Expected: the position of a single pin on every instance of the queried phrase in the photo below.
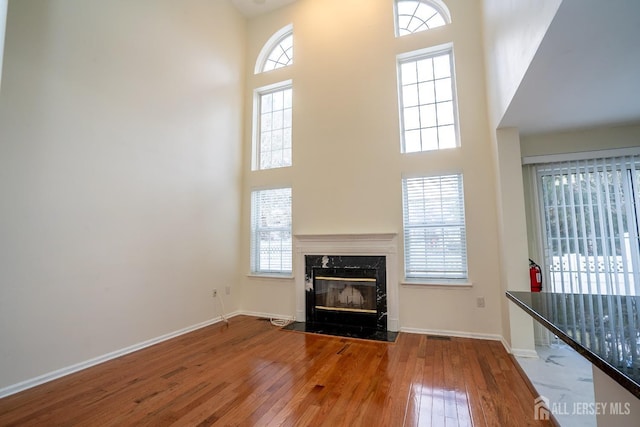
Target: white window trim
(438, 5)
(268, 274)
(273, 41)
(584, 155)
(414, 56)
(437, 282)
(255, 143)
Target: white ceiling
(586, 72)
(251, 8)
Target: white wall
(347, 170)
(513, 30)
(120, 130)
(580, 140)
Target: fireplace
(347, 256)
(346, 291)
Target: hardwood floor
(252, 373)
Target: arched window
(413, 16)
(277, 52)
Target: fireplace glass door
(345, 296)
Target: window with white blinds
(590, 214)
(435, 245)
(271, 241)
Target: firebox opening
(356, 295)
(345, 296)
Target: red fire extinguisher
(535, 276)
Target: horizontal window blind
(271, 241)
(434, 228)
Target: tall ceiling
(586, 72)
(251, 8)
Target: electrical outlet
(214, 293)
(227, 290)
(480, 302)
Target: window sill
(436, 283)
(271, 276)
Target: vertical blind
(271, 242)
(590, 212)
(434, 228)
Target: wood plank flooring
(251, 373)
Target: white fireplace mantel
(370, 244)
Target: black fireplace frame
(328, 263)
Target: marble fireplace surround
(370, 244)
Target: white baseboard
(32, 382)
(459, 334)
(523, 352)
(24, 385)
(267, 315)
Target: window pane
(266, 122)
(434, 228)
(443, 89)
(275, 129)
(409, 73)
(412, 141)
(412, 118)
(441, 66)
(414, 16)
(447, 136)
(429, 139)
(428, 115)
(266, 103)
(410, 95)
(428, 103)
(425, 69)
(427, 93)
(281, 55)
(445, 113)
(271, 242)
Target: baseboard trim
(50, 376)
(459, 334)
(267, 315)
(522, 352)
(27, 384)
(519, 352)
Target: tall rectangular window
(271, 242)
(428, 106)
(272, 145)
(435, 246)
(590, 211)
